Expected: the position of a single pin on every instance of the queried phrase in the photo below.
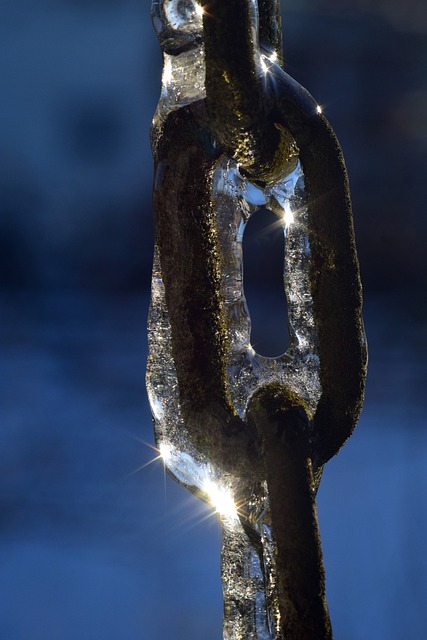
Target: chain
(262, 119)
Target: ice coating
(236, 200)
(248, 552)
(178, 24)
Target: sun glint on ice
(221, 499)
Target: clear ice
(248, 550)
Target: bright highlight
(288, 215)
(221, 499)
(165, 452)
(167, 69)
(263, 65)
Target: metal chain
(261, 120)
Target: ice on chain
(247, 560)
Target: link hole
(263, 252)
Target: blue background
(92, 546)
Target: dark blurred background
(92, 546)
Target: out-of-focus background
(92, 545)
